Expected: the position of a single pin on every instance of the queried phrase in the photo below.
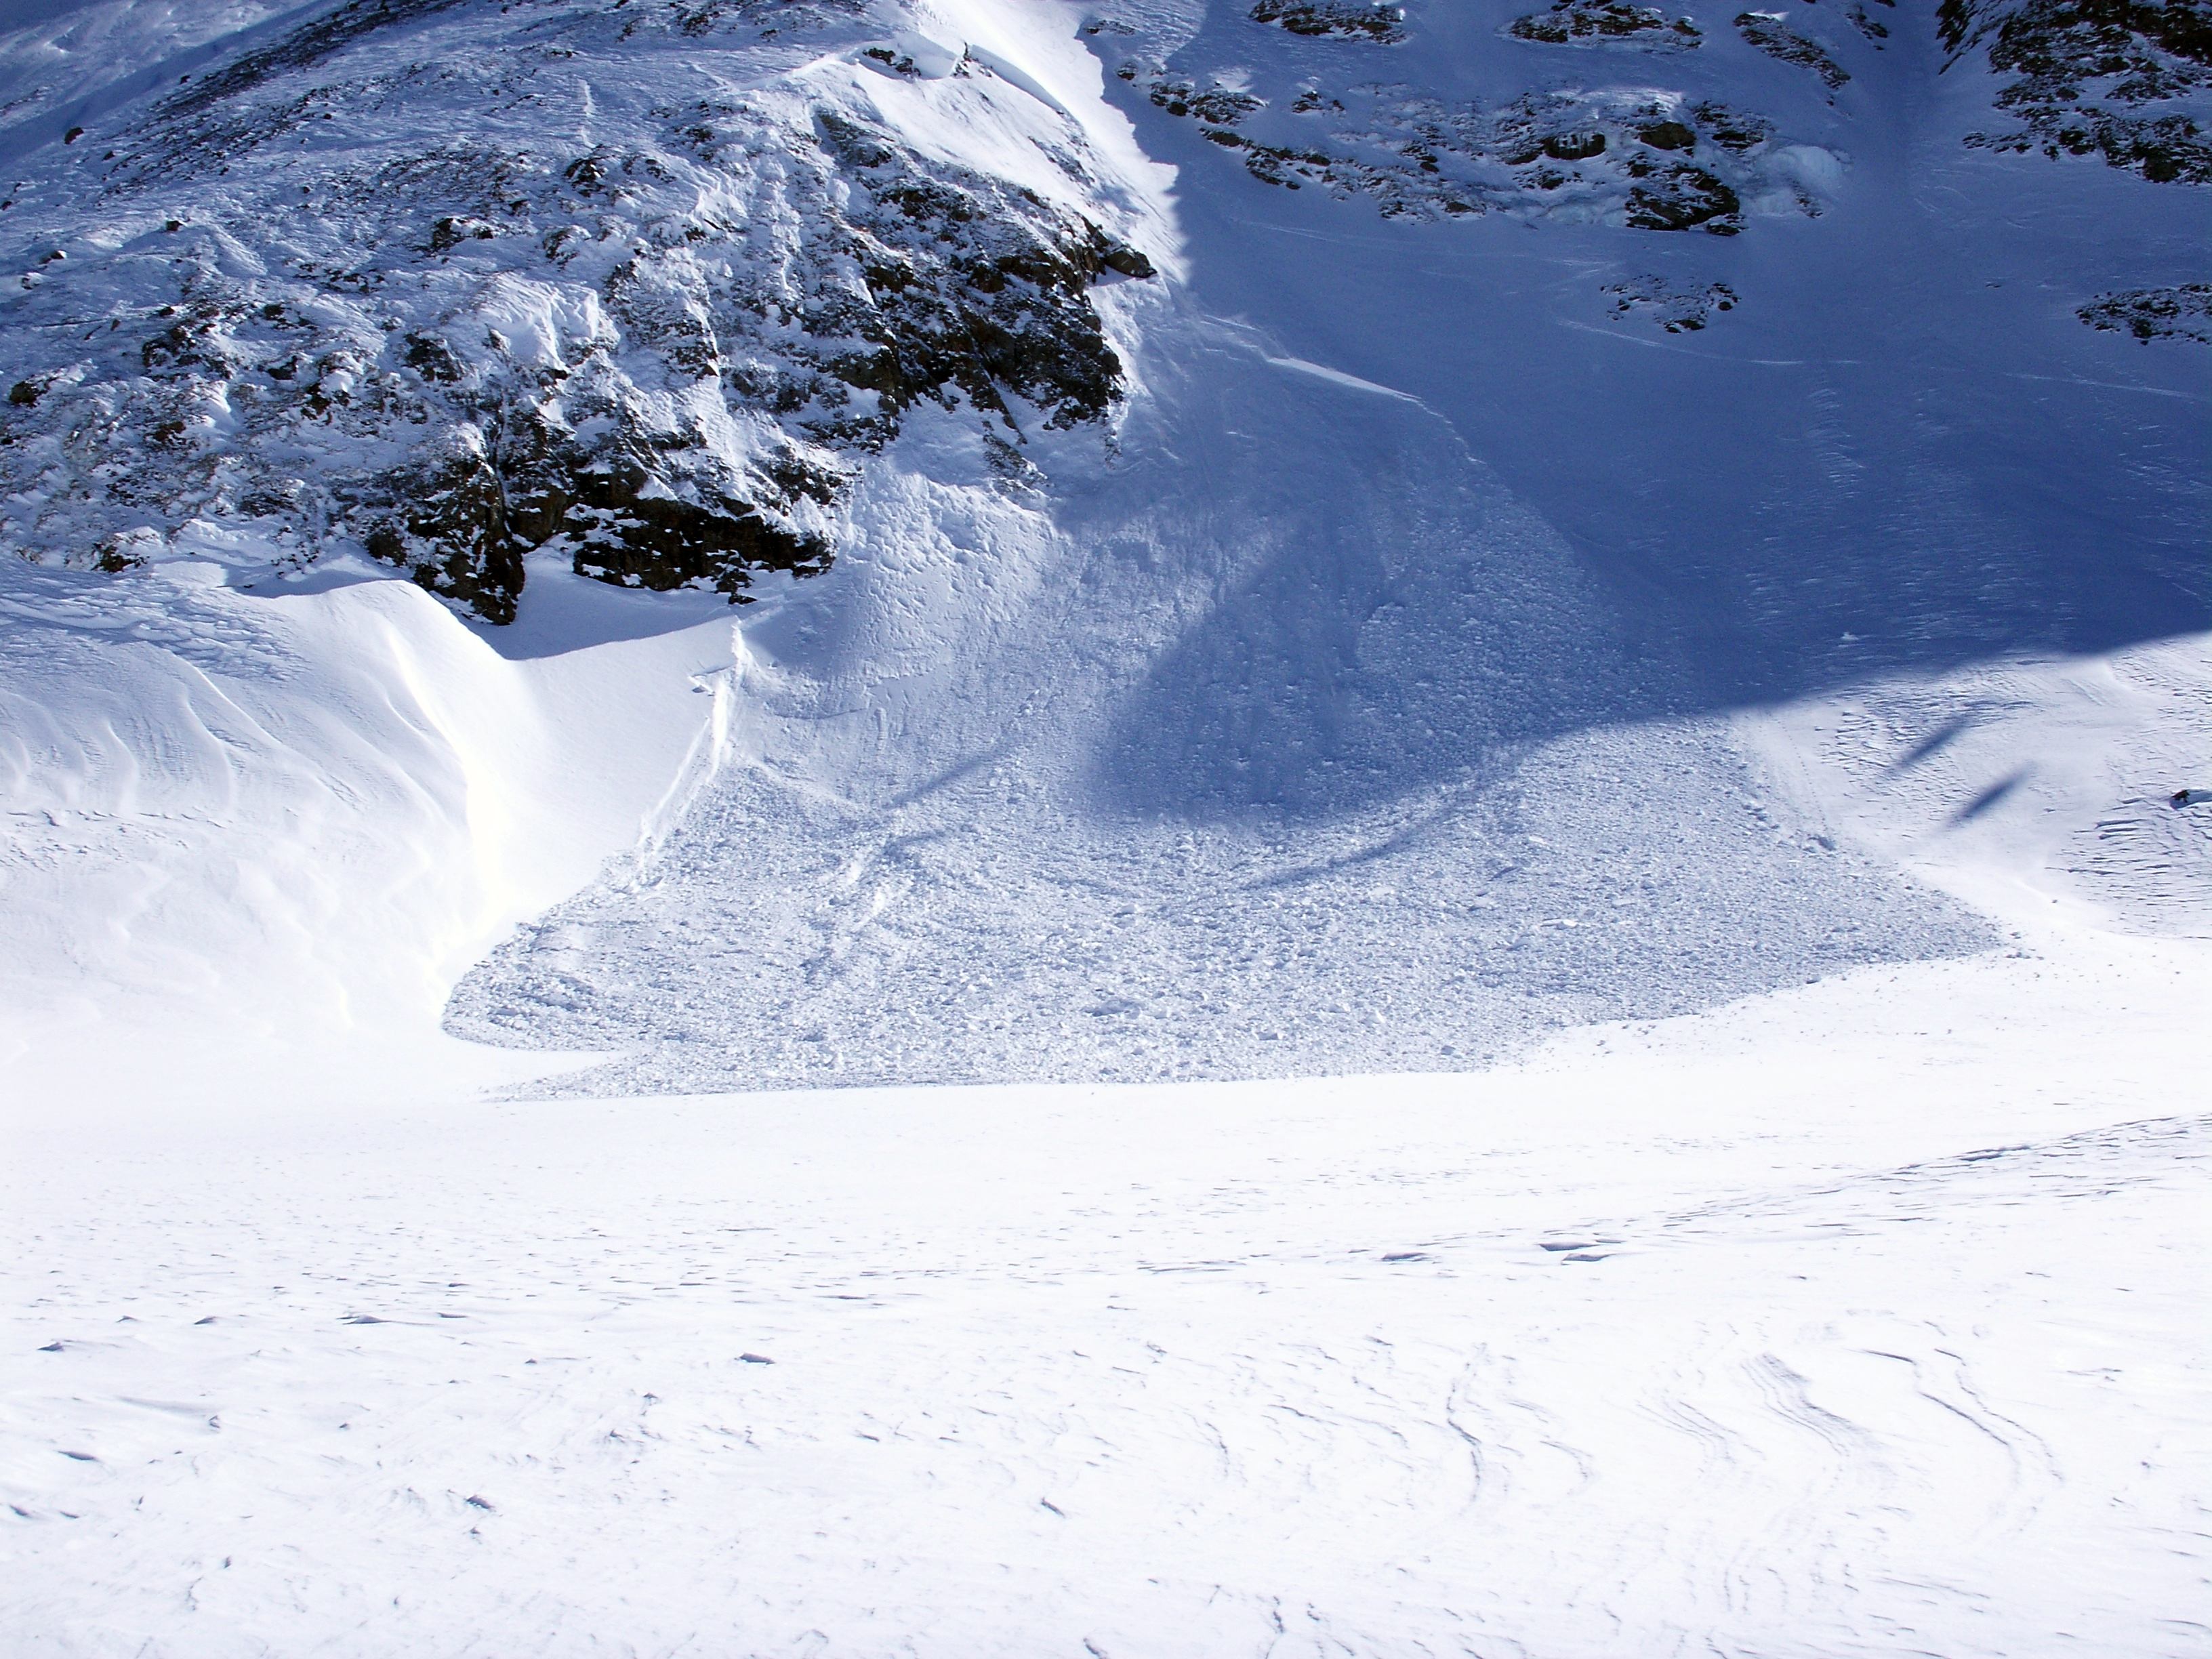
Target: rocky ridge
(1643, 155)
(2181, 313)
(304, 306)
(2124, 80)
(318, 310)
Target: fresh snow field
(1478, 979)
(1865, 1318)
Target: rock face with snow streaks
(449, 283)
(1654, 150)
(2119, 79)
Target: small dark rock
(1683, 197)
(433, 358)
(1340, 17)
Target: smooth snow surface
(1861, 1320)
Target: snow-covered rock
(1661, 585)
(447, 283)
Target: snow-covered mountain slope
(1323, 654)
(1440, 728)
(1645, 562)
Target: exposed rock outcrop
(338, 314)
(2120, 79)
(1777, 40)
(2156, 313)
(1607, 23)
(1631, 157)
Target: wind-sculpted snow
(656, 323)
(2086, 804)
(340, 796)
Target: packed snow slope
(1264, 529)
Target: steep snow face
(446, 282)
